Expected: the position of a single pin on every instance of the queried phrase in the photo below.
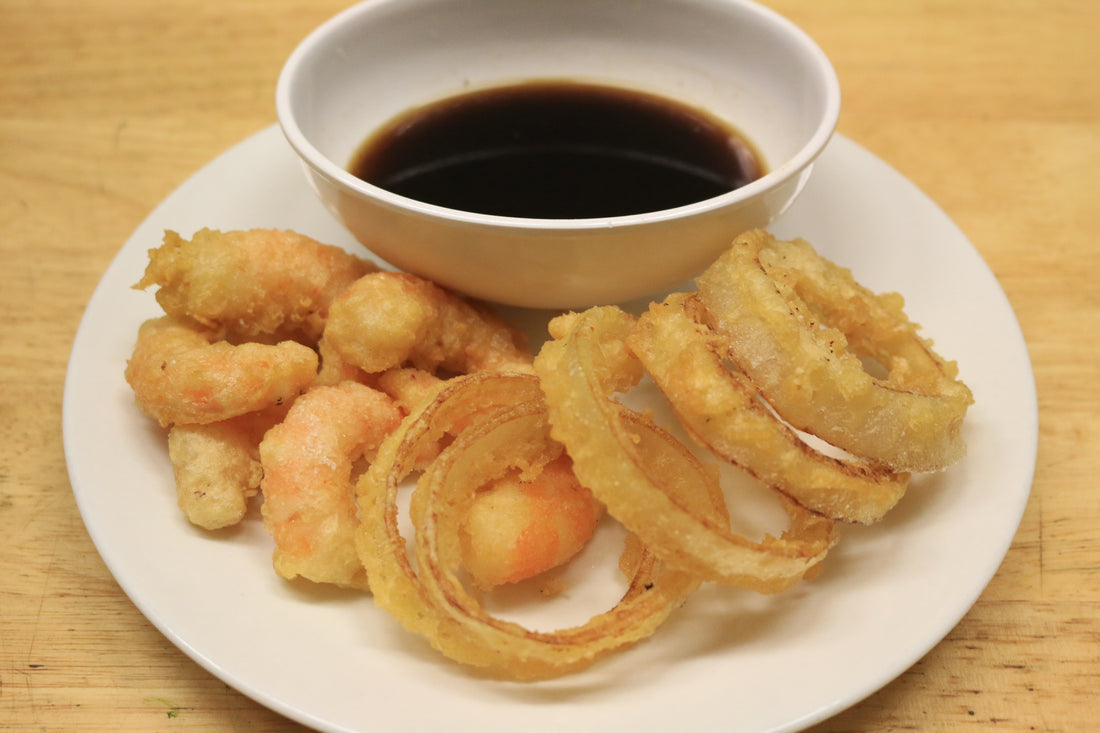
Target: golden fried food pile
(290, 368)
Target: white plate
(728, 660)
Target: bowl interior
(735, 59)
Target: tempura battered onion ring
(655, 495)
(721, 408)
(501, 415)
(790, 316)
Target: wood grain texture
(106, 106)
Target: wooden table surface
(992, 108)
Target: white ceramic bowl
(736, 59)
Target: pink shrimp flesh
(520, 527)
(182, 373)
(308, 462)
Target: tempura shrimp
(520, 526)
(308, 464)
(387, 320)
(336, 369)
(183, 373)
(408, 386)
(217, 466)
(257, 283)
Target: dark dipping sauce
(557, 150)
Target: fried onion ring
(504, 424)
(722, 410)
(645, 483)
(798, 326)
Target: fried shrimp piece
(409, 386)
(336, 369)
(255, 283)
(308, 464)
(183, 373)
(217, 466)
(388, 320)
(520, 526)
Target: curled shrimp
(520, 526)
(256, 283)
(217, 466)
(309, 461)
(387, 320)
(183, 373)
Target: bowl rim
(774, 178)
